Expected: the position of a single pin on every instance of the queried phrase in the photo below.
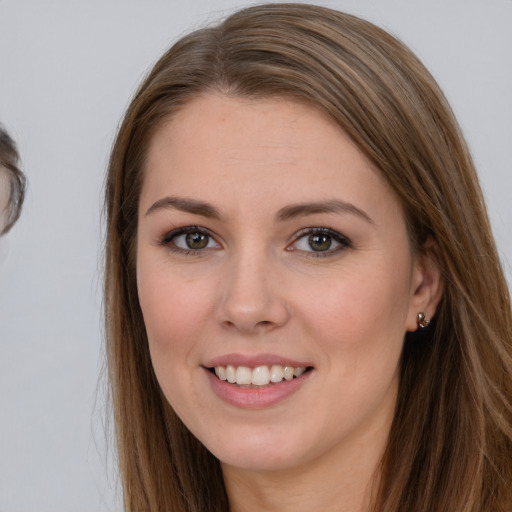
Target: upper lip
(252, 361)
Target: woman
(304, 304)
(12, 179)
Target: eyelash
(168, 240)
(344, 243)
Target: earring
(422, 321)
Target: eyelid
(167, 238)
(342, 240)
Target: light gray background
(67, 71)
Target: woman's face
(268, 246)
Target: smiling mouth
(259, 376)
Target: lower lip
(255, 397)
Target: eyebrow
(330, 206)
(185, 204)
(205, 209)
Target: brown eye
(190, 239)
(320, 243)
(196, 241)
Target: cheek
(170, 318)
(174, 311)
(360, 318)
(361, 331)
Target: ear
(426, 285)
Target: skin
(4, 197)
(260, 287)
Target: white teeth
(243, 375)
(297, 372)
(259, 376)
(230, 374)
(288, 372)
(220, 371)
(276, 373)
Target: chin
(253, 452)
(256, 460)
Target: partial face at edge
(267, 239)
(5, 191)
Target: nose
(252, 299)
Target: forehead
(209, 117)
(234, 129)
(267, 147)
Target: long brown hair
(450, 445)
